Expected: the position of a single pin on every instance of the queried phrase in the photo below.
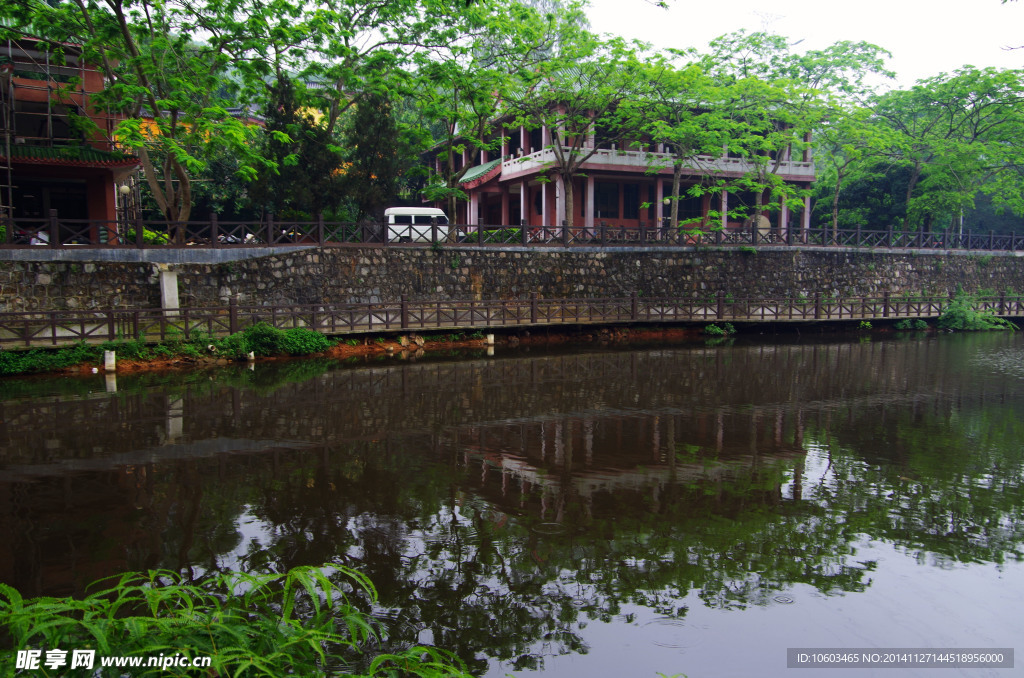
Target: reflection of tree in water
(500, 525)
(939, 481)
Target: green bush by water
(306, 622)
(261, 338)
(961, 316)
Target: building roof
(70, 156)
(480, 172)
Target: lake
(612, 510)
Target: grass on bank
(261, 339)
(306, 622)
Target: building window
(631, 201)
(606, 200)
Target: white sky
(925, 37)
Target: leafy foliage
(305, 622)
(962, 316)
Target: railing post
(603, 229)
(1002, 303)
(271, 238)
(789, 235)
(634, 305)
(1013, 241)
(140, 232)
(54, 229)
(720, 305)
(533, 308)
(405, 312)
(565, 233)
(859, 241)
(524, 234)
(214, 228)
(885, 305)
(233, 314)
(753, 231)
(643, 233)
(320, 228)
(433, 230)
(817, 305)
(888, 235)
(991, 240)
(719, 236)
(111, 326)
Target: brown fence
(56, 328)
(56, 232)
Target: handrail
(59, 328)
(56, 232)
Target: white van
(413, 224)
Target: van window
(425, 219)
(402, 218)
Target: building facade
(619, 185)
(57, 149)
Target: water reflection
(503, 505)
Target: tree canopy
(455, 76)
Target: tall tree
(775, 99)
(170, 90)
(575, 95)
(672, 110)
(464, 92)
(957, 135)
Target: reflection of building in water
(92, 482)
(577, 458)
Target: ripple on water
(549, 528)
(667, 632)
(785, 600)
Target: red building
(620, 185)
(57, 150)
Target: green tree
(673, 111)
(575, 95)
(378, 154)
(303, 181)
(957, 135)
(775, 99)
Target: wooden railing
(57, 328)
(56, 232)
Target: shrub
(248, 625)
(263, 339)
(910, 324)
(303, 341)
(961, 316)
(719, 331)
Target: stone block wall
(367, 275)
(73, 286)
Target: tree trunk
(677, 181)
(569, 207)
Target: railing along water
(60, 328)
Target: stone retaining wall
(360, 275)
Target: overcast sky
(925, 38)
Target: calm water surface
(690, 509)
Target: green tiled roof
(74, 155)
(475, 173)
